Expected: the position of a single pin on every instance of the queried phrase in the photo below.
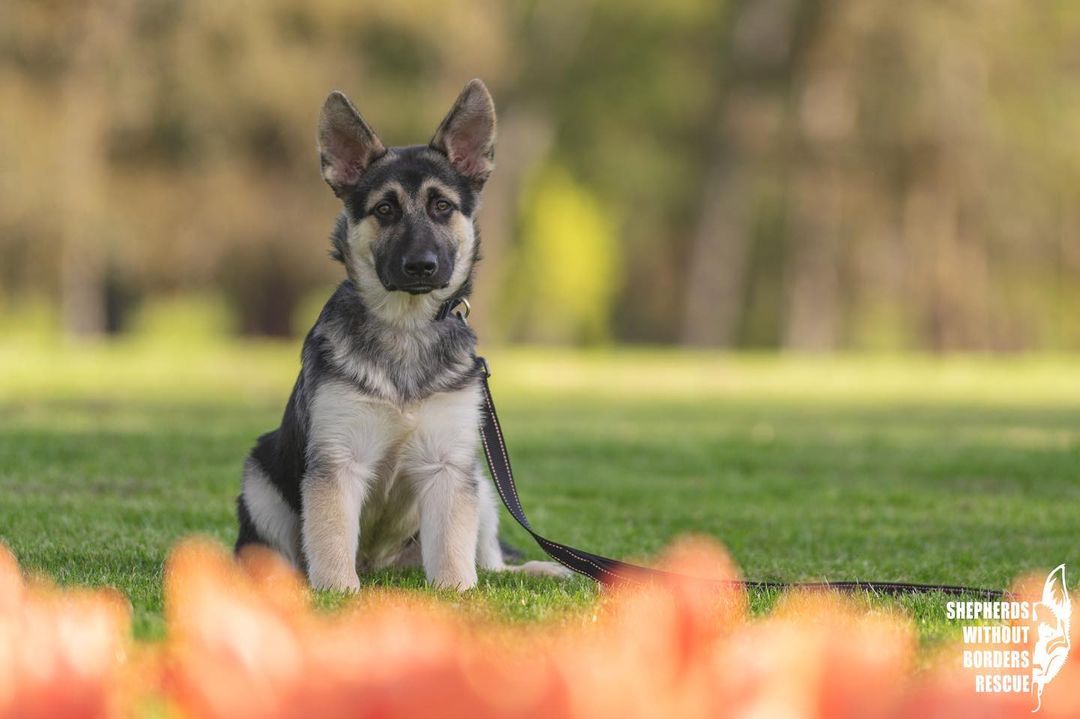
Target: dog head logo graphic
(1052, 641)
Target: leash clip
(447, 308)
(482, 363)
(463, 316)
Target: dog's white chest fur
(388, 458)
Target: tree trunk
(747, 113)
(82, 166)
(716, 274)
(811, 276)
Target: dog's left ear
(467, 134)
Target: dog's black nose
(422, 265)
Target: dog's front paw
(543, 569)
(345, 583)
(459, 582)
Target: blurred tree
(802, 174)
(563, 281)
(100, 35)
(741, 143)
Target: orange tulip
(61, 653)
(244, 641)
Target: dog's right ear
(347, 145)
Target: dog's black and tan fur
(375, 463)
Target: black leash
(613, 571)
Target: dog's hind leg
(490, 553)
(265, 517)
(248, 534)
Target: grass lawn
(962, 471)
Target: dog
(376, 461)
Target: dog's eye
(384, 209)
(442, 206)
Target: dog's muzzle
(417, 272)
(420, 270)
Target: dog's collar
(447, 308)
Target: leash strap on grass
(612, 571)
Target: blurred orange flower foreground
(243, 641)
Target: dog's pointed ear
(467, 134)
(1056, 595)
(347, 145)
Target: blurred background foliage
(801, 174)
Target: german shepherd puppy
(375, 463)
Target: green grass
(963, 471)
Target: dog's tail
(510, 554)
